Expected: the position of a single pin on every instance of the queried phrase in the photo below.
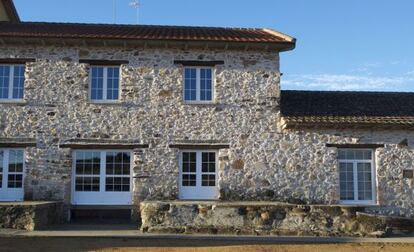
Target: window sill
(357, 204)
(117, 102)
(13, 101)
(199, 103)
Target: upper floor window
(11, 82)
(104, 83)
(198, 84)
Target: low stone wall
(260, 218)
(31, 215)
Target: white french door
(356, 176)
(11, 174)
(198, 175)
(101, 178)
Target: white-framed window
(102, 177)
(198, 84)
(198, 174)
(11, 174)
(356, 176)
(12, 82)
(104, 83)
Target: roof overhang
(189, 44)
(346, 122)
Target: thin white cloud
(403, 82)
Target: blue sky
(341, 45)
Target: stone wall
(31, 215)
(264, 162)
(260, 218)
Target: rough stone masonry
(264, 161)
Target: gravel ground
(34, 244)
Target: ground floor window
(11, 174)
(198, 174)
(102, 177)
(356, 176)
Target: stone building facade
(258, 154)
(263, 160)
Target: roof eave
(125, 42)
(288, 123)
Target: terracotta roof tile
(142, 32)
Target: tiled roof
(307, 108)
(143, 32)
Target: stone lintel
(85, 146)
(17, 142)
(211, 63)
(16, 60)
(356, 146)
(198, 146)
(104, 62)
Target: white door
(11, 174)
(101, 178)
(198, 175)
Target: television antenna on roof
(136, 4)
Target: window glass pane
(346, 180)
(190, 84)
(364, 181)
(1, 167)
(4, 81)
(112, 83)
(18, 82)
(1, 160)
(351, 154)
(15, 161)
(97, 82)
(205, 84)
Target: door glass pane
(15, 161)
(87, 171)
(15, 181)
(118, 171)
(189, 168)
(364, 181)
(15, 176)
(208, 169)
(346, 180)
(1, 167)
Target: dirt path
(119, 244)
